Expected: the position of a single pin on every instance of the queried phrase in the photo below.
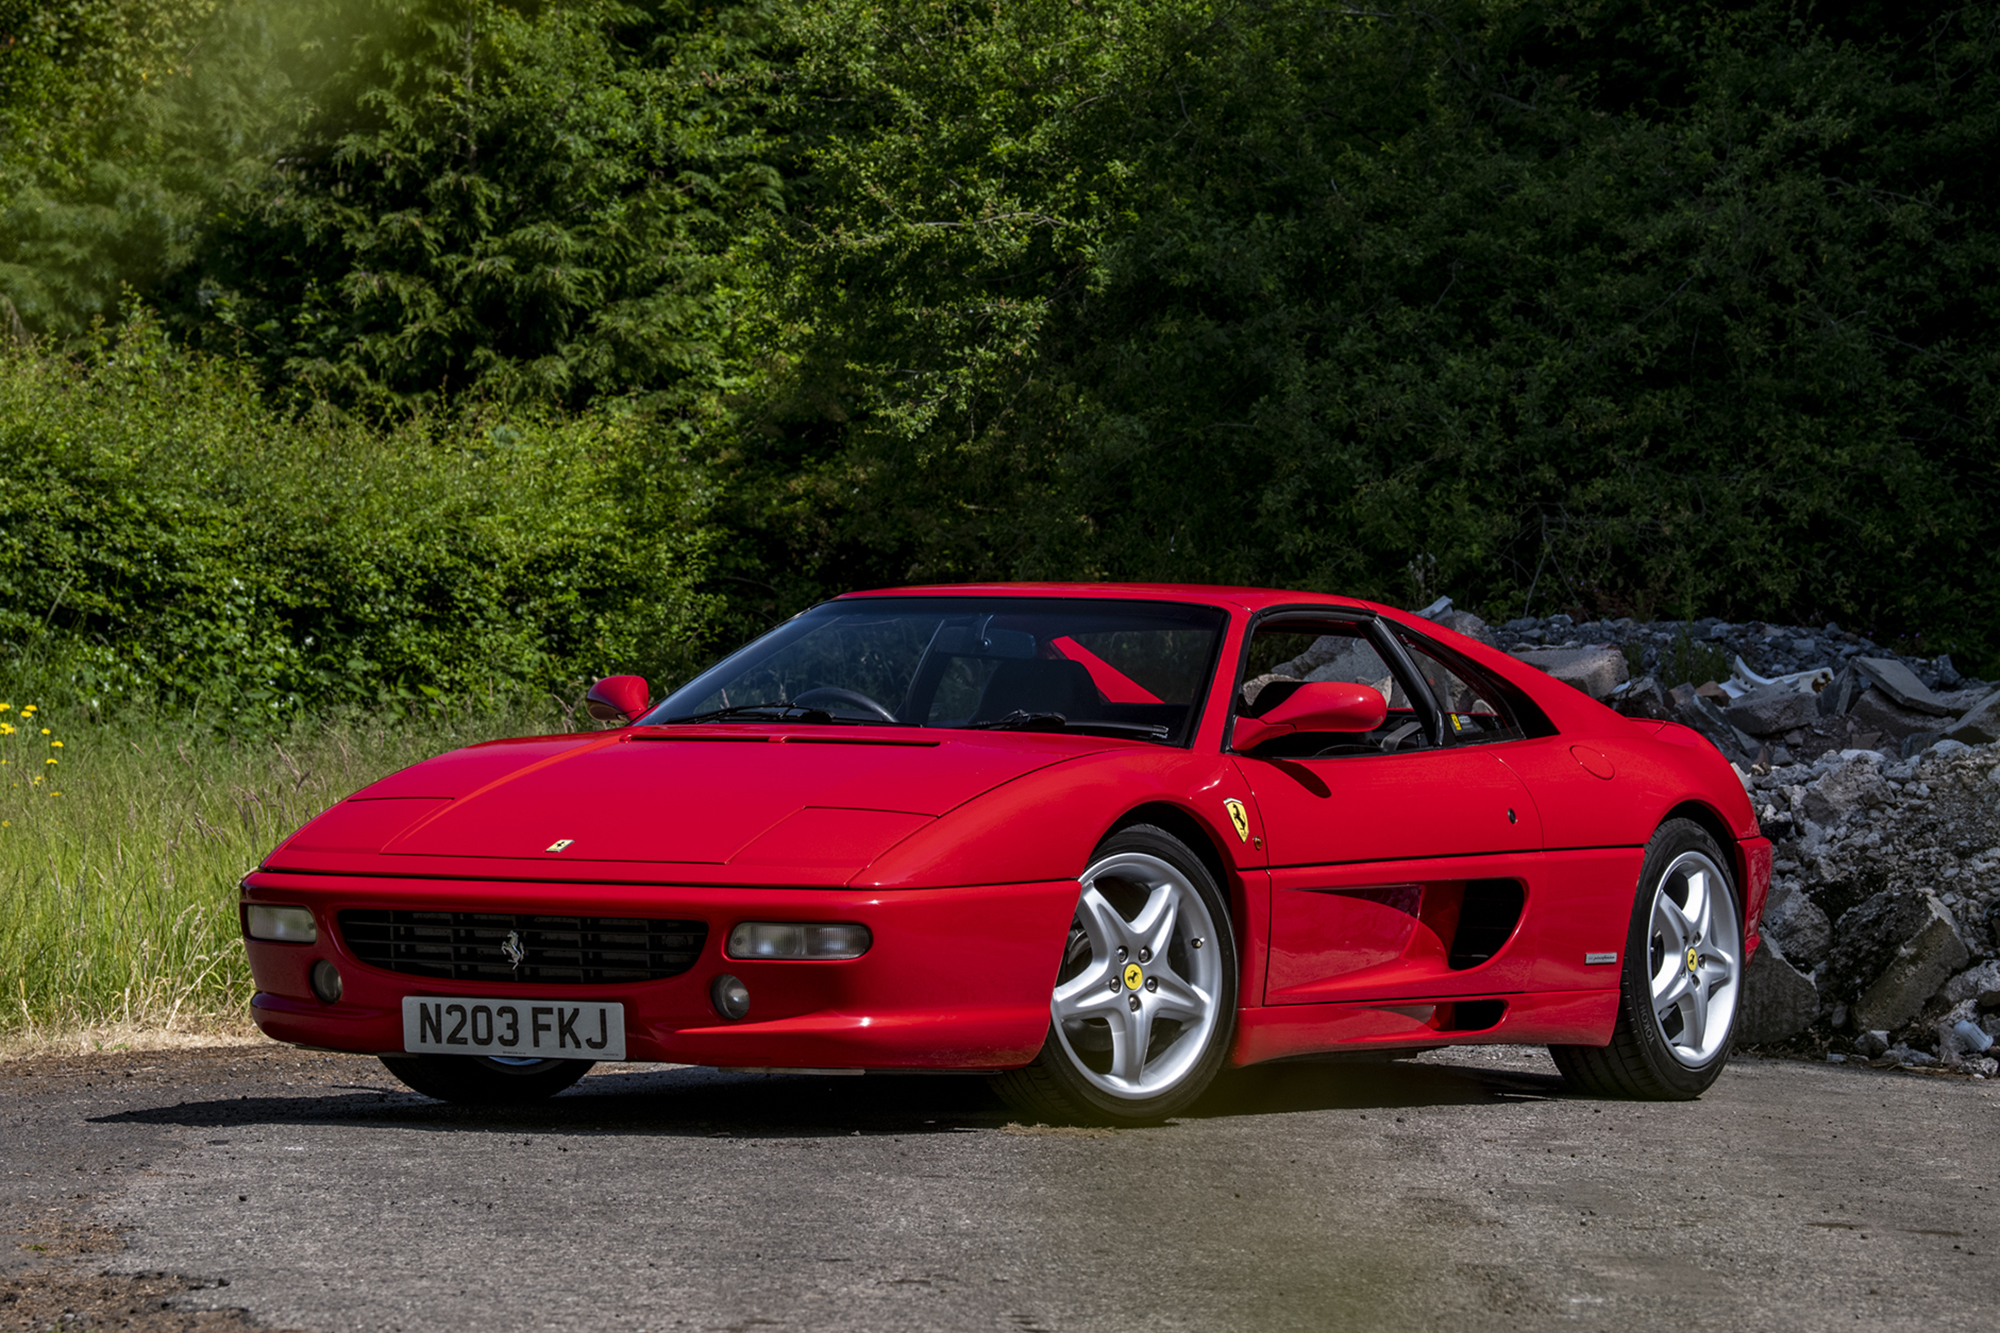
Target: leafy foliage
(167, 538)
(534, 202)
(1610, 305)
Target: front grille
(559, 950)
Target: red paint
(1344, 891)
(618, 696)
(1322, 705)
(1595, 762)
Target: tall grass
(119, 862)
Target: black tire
(1069, 1082)
(477, 1080)
(1643, 1060)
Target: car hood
(830, 800)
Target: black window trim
(1534, 724)
(1379, 636)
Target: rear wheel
(1679, 981)
(1144, 1003)
(484, 1080)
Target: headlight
(292, 925)
(798, 939)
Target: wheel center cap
(1694, 960)
(1135, 976)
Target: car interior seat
(1039, 685)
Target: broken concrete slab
(1595, 671)
(1838, 697)
(1644, 698)
(1697, 711)
(1901, 684)
(1778, 1000)
(1920, 966)
(1471, 626)
(1875, 710)
(1980, 723)
(1800, 925)
(1772, 710)
(1972, 983)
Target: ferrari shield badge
(558, 844)
(1239, 817)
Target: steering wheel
(830, 697)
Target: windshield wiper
(767, 712)
(1021, 720)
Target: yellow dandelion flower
(45, 731)
(48, 761)
(56, 744)
(6, 708)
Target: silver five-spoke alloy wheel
(1695, 961)
(1137, 997)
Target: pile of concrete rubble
(1876, 776)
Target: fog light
(292, 925)
(326, 981)
(798, 939)
(731, 996)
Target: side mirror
(618, 696)
(1320, 705)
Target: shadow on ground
(698, 1102)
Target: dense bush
(1616, 306)
(166, 536)
(1607, 305)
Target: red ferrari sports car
(1098, 841)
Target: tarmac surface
(237, 1187)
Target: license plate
(524, 1029)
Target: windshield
(1112, 668)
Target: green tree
(532, 202)
(1621, 306)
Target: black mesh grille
(559, 950)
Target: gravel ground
(173, 1190)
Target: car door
(1400, 860)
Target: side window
(1475, 712)
(1287, 654)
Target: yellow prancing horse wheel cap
(1694, 960)
(1135, 976)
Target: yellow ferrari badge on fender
(1135, 976)
(559, 844)
(1239, 817)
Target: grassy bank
(119, 861)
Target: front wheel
(1679, 981)
(484, 1080)
(1144, 1003)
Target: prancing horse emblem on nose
(513, 950)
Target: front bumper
(956, 978)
